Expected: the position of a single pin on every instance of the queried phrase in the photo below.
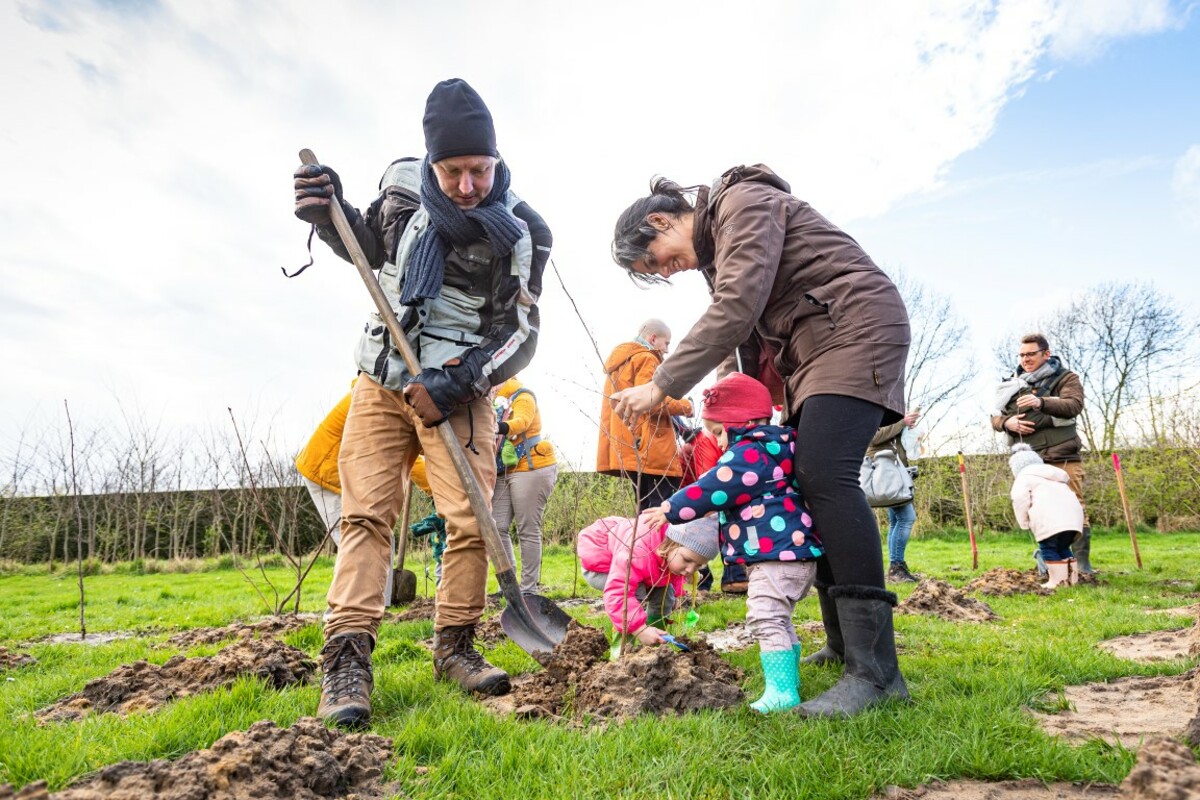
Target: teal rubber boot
(796, 650)
(782, 676)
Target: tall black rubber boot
(1083, 551)
(872, 675)
(834, 650)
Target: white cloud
(1185, 183)
(148, 152)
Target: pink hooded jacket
(603, 546)
(1044, 503)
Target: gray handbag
(885, 481)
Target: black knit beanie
(457, 123)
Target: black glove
(315, 185)
(435, 393)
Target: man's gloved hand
(316, 185)
(435, 393)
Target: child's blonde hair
(667, 547)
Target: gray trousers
(522, 497)
(775, 588)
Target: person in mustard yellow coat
(523, 489)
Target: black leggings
(832, 436)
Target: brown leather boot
(347, 683)
(456, 659)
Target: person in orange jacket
(522, 489)
(649, 455)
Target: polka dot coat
(763, 517)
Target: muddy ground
(579, 682)
(306, 761)
(1165, 770)
(267, 626)
(940, 599)
(1157, 645)
(10, 659)
(1129, 710)
(143, 686)
(1001, 582)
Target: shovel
(537, 629)
(404, 581)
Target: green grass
(971, 684)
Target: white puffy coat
(1044, 503)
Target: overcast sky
(1006, 154)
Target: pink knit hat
(735, 400)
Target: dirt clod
(268, 626)
(579, 681)
(142, 686)
(12, 660)
(1165, 770)
(940, 599)
(1027, 789)
(1002, 582)
(306, 761)
(420, 609)
(1129, 710)
(489, 631)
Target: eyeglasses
(1030, 354)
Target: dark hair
(633, 233)
(1036, 338)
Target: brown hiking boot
(456, 659)
(347, 683)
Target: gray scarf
(1018, 381)
(452, 226)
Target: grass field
(971, 683)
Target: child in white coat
(1044, 503)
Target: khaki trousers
(382, 438)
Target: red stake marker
(1125, 506)
(962, 471)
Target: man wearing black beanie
(460, 259)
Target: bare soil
(306, 761)
(737, 636)
(579, 682)
(1129, 710)
(1186, 611)
(274, 626)
(1028, 789)
(489, 630)
(143, 686)
(420, 609)
(1002, 582)
(1165, 770)
(10, 659)
(104, 637)
(1157, 645)
(940, 599)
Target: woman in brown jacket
(799, 305)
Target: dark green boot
(872, 674)
(1083, 551)
(834, 651)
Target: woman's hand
(631, 403)
(650, 635)
(653, 518)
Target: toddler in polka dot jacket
(764, 523)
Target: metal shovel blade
(542, 630)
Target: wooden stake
(1125, 506)
(962, 471)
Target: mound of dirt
(1129, 710)
(1003, 582)
(1165, 770)
(489, 631)
(267, 626)
(1027, 789)
(421, 608)
(940, 599)
(13, 660)
(306, 761)
(579, 681)
(142, 686)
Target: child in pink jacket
(651, 572)
(1044, 503)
